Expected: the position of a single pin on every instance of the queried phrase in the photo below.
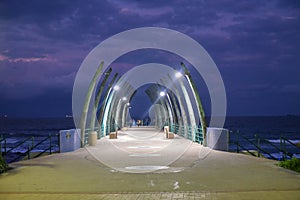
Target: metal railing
(189, 132)
(260, 146)
(102, 133)
(88, 130)
(6, 150)
(193, 133)
(198, 135)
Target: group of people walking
(135, 123)
(138, 123)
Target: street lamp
(178, 74)
(116, 87)
(162, 93)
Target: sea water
(265, 132)
(270, 128)
(34, 130)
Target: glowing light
(162, 94)
(116, 87)
(124, 98)
(178, 74)
(128, 104)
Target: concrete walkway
(142, 164)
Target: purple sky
(255, 45)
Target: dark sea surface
(34, 131)
(268, 132)
(269, 128)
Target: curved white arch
(156, 38)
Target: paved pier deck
(143, 164)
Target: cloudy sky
(255, 45)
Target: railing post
(50, 142)
(229, 134)
(258, 144)
(1, 144)
(32, 142)
(58, 139)
(28, 152)
(281, 143)
(281, 147)
(196, 134)
(5, 146)
(284, 148)
(237, 142)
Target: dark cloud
(292, 4)
(255, 44)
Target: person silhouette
(133, 122)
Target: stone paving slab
(257, 195)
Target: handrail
(43, 152)
(258, 148)
(245, 149)
(25, 140)
(280, 149)
(40, 142)
(267, 141)
(32, 147)
(256, 142)
(290, 142)
(2, 139)
(198, 135)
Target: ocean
(269, 131)
(268, 128)
(31, 131)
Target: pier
(143, 164)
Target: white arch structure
(145, 74)
(155, 38)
